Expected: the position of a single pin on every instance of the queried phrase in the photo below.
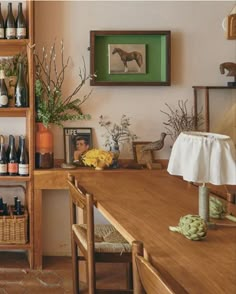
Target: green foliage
(10, 64)
(51, 106)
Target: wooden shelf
(15, 178)
(13, 112)
(213, 87)
(14, 42)
(11, 48)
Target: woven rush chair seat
(107, 238)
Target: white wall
(198, 48)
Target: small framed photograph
(140, 156)
(76, 142)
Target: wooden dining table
(142, 205)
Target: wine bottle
(1, 24)
(12, 161)
(9, 146)
(10, 24)
(5, 209)
(20, 23)
(3, 90)
(19, 147)
(15, 202)
(3, 158)
(1, 203)
(18, 207)
(23, 169)
(21, 95)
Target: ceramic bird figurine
(157, 145)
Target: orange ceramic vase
(44, 147)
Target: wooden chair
(146, 278)
(97, 243)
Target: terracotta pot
(44, 157)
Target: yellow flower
(96, 157)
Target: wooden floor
(56, 277)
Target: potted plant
(117, 134)
(10, 66)
(52, 106)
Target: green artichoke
(218, 209)
(192, 227)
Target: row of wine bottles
(17, 209)
(13, 28)
(21, 91)
(14, 162)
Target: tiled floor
(56, 277)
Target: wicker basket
(14, 228)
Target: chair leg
(75, 267)
(129, 275)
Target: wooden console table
(141, 204)
(207, 106)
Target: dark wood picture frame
(158, 58)
(70, 137)
(144, 157)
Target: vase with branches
(181, 119)
(51, 103)
(52, 107)
(117, 134)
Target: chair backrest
(146, 278)
(79, 197)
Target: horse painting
(129, 56)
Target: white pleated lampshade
(204, 158)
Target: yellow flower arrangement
(98, 158)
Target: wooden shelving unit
(9, 48)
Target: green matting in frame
(157, 57)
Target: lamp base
(203, 203)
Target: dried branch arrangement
(51, 105)
(117, 133)
(180, 120)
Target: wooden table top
(143, 204)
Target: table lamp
(204, 158)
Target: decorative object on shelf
(204, 158)
(157, 145)
(133, 58)
(229, 24)
(143, 158)
(52, 106)
(180, 120)
(98, 158)
(77, 141)
(218, 209)
(193, 227)
(117, 134)
(231, 68)
(44, 156)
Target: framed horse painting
(130, 58)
